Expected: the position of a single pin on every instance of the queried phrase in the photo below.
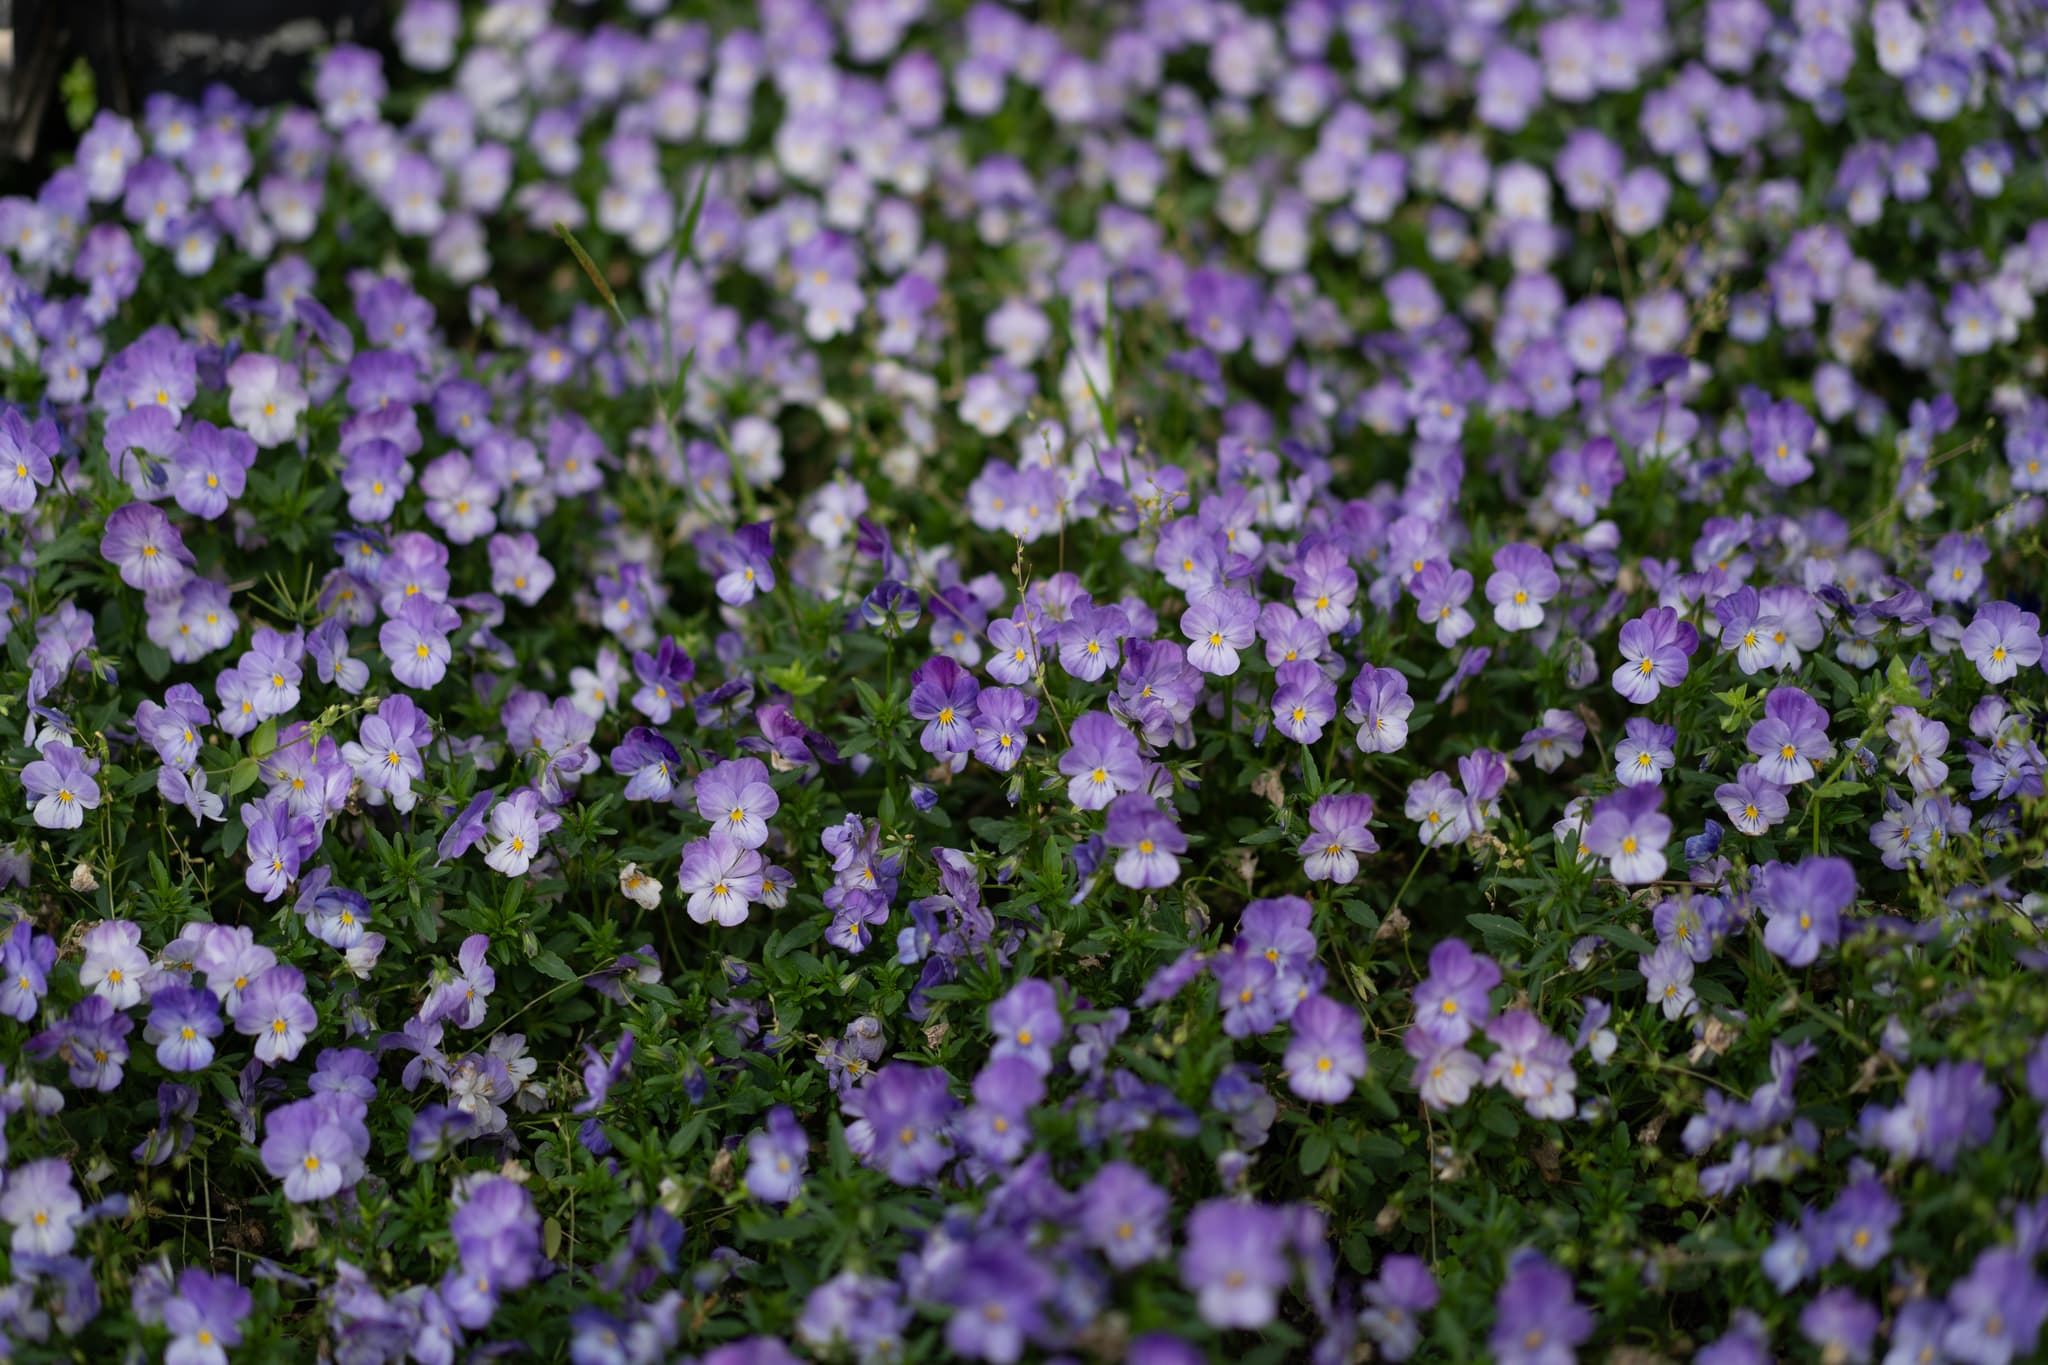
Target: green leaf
(242, 776)
(551, 964)
(1315, 1153)
(1500, 926)
(264, 742)
(1842, 789)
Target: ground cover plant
(904, 681)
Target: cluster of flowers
(760, 483)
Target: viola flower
(1630, 831)
(1781, 436)
(27, 454)
(316, 1147)
(735, 796)
(1562, 735)
(1753, 802)
(1027, 1023)
(1803, 906)
(41, 1207)
(141, 542)
(1219, 623)
(1646, 752)
(265, 398)
(1304, 701)
(26, 958)
(1791, 737)
(1088, 640)
(462, 999)
(1997, 1310)
(204, 1318)
(721, 877)
(415, 640)
(1521, 582)
(60, 786)
(1149, 839)
(1453, 999)
(1326, 1056)
(1537, 1320)
(1235, 1263)
(2001, 640)
(1840, 1325)
(1002, 721)
(776, 1158)
(649, 763)
(518, 824)
(1380, 707)
(745, 565)
(183, 1022)
(1440, 595)
(1918, 746)
(275, 1012)
(1668, 971)
(663, 677)
(1396, 1299)
(908, 1110)
(1439, 809)
(942, 695)
(1101, 762)
(1337, 838)
(1656, 650)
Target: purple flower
(317, 1147)
(415, 640)
(1440, 810)
(942, 695)
(649, 763)
(1453, 999)
(1781, 436)
(1101, 762)
(204, 1318)
(1396, 1299)
(41, 1207)
(1235, 1262)
(1440, 596)
(2001, 640)
(1752, 801)
(1562, 735)
(26, 459)
(1149, 839)
(663, 675)
(1088, 639)
(1996, 1311)
(1803, 906)
(722, 877)
(278, 844)
(141, 542)
(210, 469)
(1791, 737)
(1380, 707)
(25, 962)
(518, 824)
(1521, 582)
(1003, 717)
(1326, 1056)
(1027, 1024)
(1304, 701)
(183, 1022)
(1123, 1215)
(997, 1295)
(461, 999)
(744, 565)
(1944, 1109)
(60, 786)
(734, 795)
(1656, 650)
(1647, 751)
(275, 1012)
(908, 1111)
(1337, 837)
(497, 1234)
(1630, 830)
(1537, 1320)
(1219, 623)
(776, 1157)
